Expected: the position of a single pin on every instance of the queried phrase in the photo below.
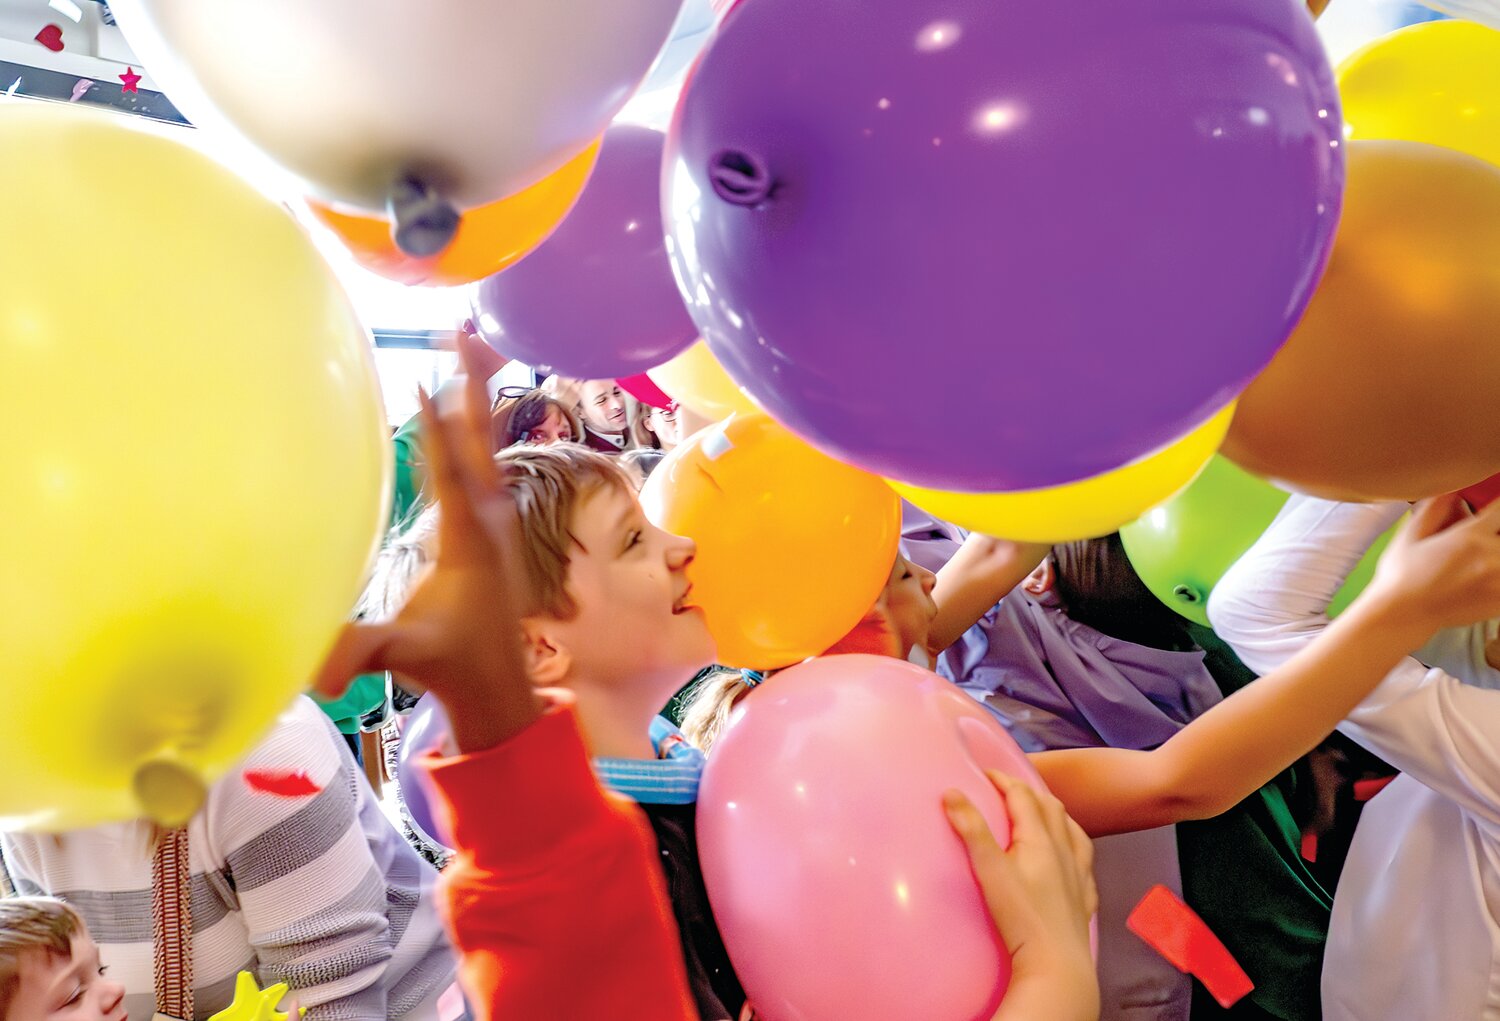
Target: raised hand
(459, 633)
(1443, 566)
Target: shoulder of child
(297, 763)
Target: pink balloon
(644, 389)
(840, 888)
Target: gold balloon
(793, 547)
(1388, 387)
(196, 475)
(1438, 82)
(1084, 509)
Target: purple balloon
(985, 245)
(596, 300)
(426, 730)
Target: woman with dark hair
(525, 415)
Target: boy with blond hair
(49, 966)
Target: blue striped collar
(669, 779)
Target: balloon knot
(740, 178)
(168, 792)
(423, 222)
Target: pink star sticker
(131, 79)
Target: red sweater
(555, 898)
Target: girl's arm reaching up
(1442, 570)
(979, 576)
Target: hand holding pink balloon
(833, 872)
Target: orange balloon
(793, 546)
(1388, 387)
(489, 238)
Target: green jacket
(367, 693)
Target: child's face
(602, 403)
(635, 623)
(909, 605)
(51, 987)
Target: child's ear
(1040, 581)
(547, 660)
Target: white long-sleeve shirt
(318, 892)
(1415, 933)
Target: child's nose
(110, 995)
(681, 552)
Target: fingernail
(956, 806)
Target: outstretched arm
(1434, 716)
(550, 871)
(1437, 572)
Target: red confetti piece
(1310, 847)
(1175, 931)
(131, 80)
(281, 783)
(51, 37)
(1482, 494)
(1364, 790)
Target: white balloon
(1347, 25)
(473, 99)
(1486, 12)
(690, 33)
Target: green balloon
(1182, 548)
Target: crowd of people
(519, 579)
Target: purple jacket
(1056, 683)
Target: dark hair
(514, 417)
(1099, 587)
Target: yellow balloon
(793, 547)
(196, 477)
(695, 378)
(1437, 82)
(1080, 510)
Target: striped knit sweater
(318, 892)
